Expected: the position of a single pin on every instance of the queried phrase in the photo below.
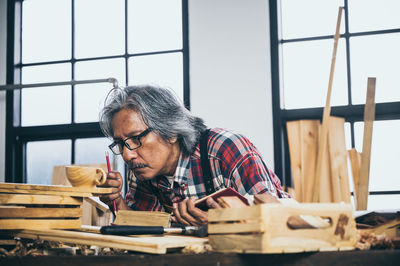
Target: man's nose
(128, 154)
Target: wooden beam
(369, 117)
(8, 198)
(18, 212)
(327, 110)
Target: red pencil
(109, 170)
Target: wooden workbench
(366, 257)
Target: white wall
(3, 34)
(230, 72)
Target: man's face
(155, 157)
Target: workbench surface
(356, 257)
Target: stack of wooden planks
(303, 138)
(26, 206)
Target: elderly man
(172, 159)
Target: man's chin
(141, 175)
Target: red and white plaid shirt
(234, 162)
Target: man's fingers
(212, 204)
(201, 216)
(178, 215)
(182, 208)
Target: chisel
(200, 231)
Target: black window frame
(16, 135)
(351, 112)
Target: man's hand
(114, 180)
(187, 214)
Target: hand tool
(200, 231)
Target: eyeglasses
(132, 143)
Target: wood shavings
(197, 249)
(367, 240)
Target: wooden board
(40, 224)
(127, 217)
(293, 133)
(18, 212)
(8, 198)
(338, 160)
(355, 161)
(369, 117)
(154, 245)
(54, 188)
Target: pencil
(109, 170)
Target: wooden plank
(355, 160)
(55, 188)
(155, 245)
(293, 132)
(95, 201)
(45, 192)
(9, 198)
(40, 224)
(17, 212)
(237, 214)
(325, 182)
(309, 149)
(369, 116)
(338, 160)
(322, 144)
(236, 228)
(127, 217)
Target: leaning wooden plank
(325, 182)
(338, 160)
(55, 188)
(293, 133)
(9, 198)
(40, 223)
(355, 160)
(309, 149)
(369, 116)
(17, 212)
(127, 217)
(322, 144)
(155, 245)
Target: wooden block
(369, 117)
(40, 224)
(230, 202)
(54, 188)
(275, 236)
(127, 217)
(338, 160)
(355, 161)
(8, 198)
(18, 212)
(293, 133)
(154, 245)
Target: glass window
(154, 25)
(299, 18)
(89, 98)
(46, 105)
(42, 156)
(161, 69)
(53, 41)
(375, 56)
(306, 67)
(370, 15)
(385, 154)
(99, 28)
(383, 202)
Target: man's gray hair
(160, 110)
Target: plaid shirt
(234, 162)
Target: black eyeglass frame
(137, 137)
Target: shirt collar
(182, 172)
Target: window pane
(89, 98)
(306, 68)
(162, 69)
(42, 156)
(46, 35)
(102, 34)
(370, 15)
(154, 25)
(46, 105)
(383, 202)
(299, 18)
(375, 56)
(385, 154)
